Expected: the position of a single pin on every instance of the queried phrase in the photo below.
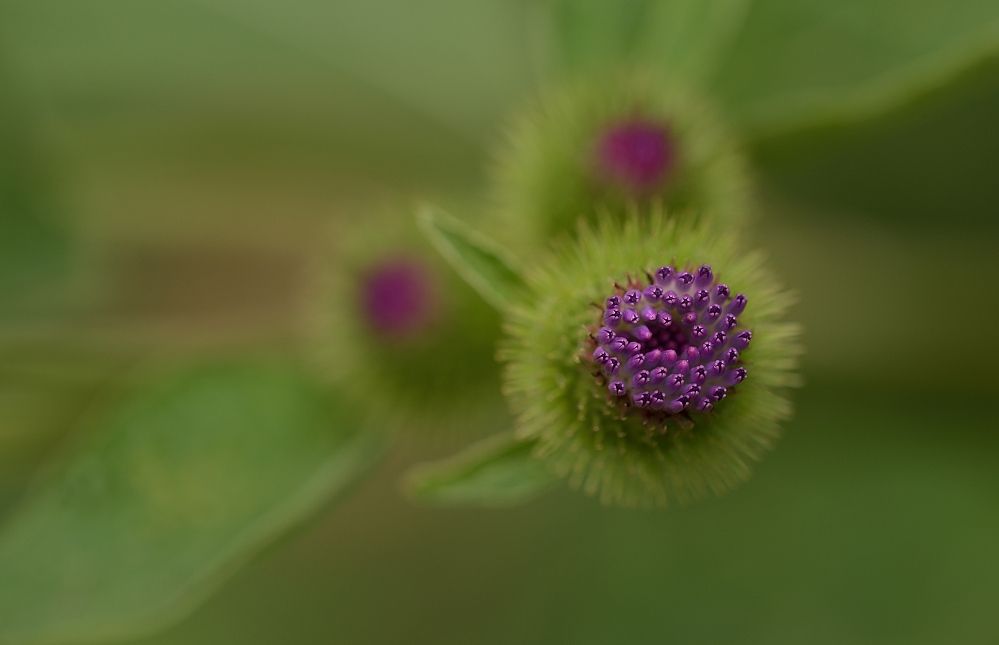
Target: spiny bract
(611, 429)
(618, 141)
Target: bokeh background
(169, 171)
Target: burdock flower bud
(615, 142)
(665, 407)
(393, 326)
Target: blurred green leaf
(682, 38)
(485, 265)
(689, 38)
(168, 491)
(34, 247)
(498, 471)
(805, 64)
(596, 34)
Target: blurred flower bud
(391, 324)
(615, 142)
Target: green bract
(602, 444)
(562, 157)
(435, 369)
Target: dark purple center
(674, 344)
(636, 154)
(399, 297)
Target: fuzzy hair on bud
(615, 141)
(652, 434)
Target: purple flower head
(673, 360)
(399, 297)
(636, 154)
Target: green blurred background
(170, 170)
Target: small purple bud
(630, 316)
(633, 297)
(641, 379)
(668, 359)
(653, 292)
(722, 292)
(719, 338)
(638, 154)
(652, 357)
(738, 304)
(677, 405)
(664, 275)
(690, 318)
(612, 366)
(648, 314)
(618, 345)
(614, 302)
(670, 298)
(658, 400)
(731, 355)
(642, 333)
(633, 348)
(699, 332)
(642, 399)
(400, 298)
(703, 405)
(701, 299)
(684, 279)
(738, 375)
(707, 350)
(617, 388)
(699, 374)
(681, 367)
(600, 356)
(605, 335)
(741, 340)
(686, 303)
(612, 317)
(692, 390)
(692, 354)
(704, 275)
(714, 312)
(658, 375)
(665, 320)
(716, 368)
(729, 322)
(675, 382)
(717, 393)
(635, 362)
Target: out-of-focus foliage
(498, 471)
(201, 146)
(34, 245)
(168, 488)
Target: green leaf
(689, 39)
(498, 471)
(170, 489)
(682, 38)
(595, 34)
(807, 64)
(485, 265)
(34, 247)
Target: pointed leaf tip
(483, 263)
(497, 471)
